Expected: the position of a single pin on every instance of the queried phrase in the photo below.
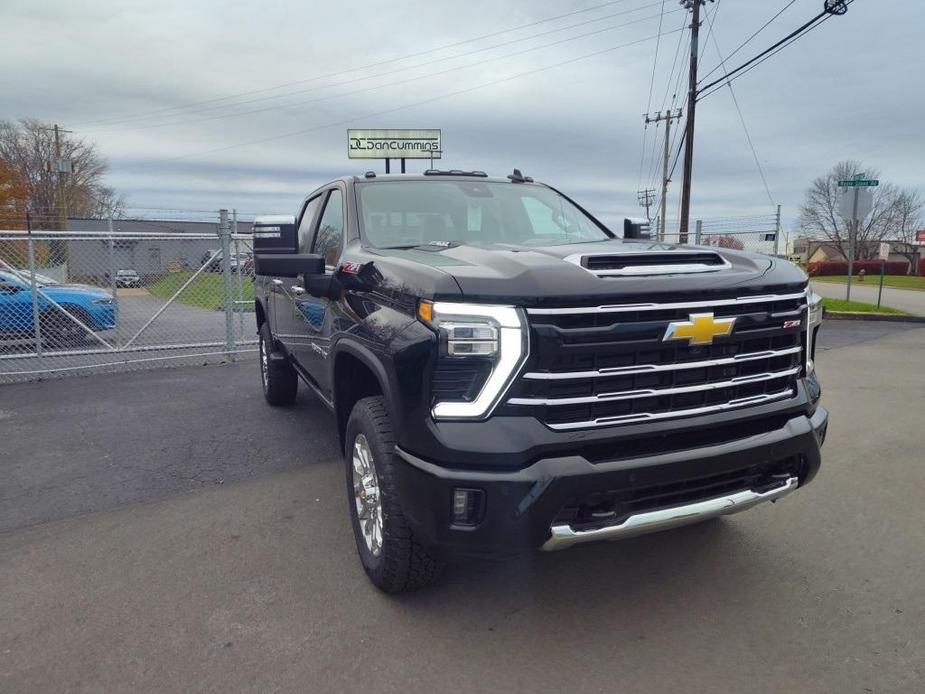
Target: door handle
(297, 290)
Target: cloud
(842, 92)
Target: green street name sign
(854, 182)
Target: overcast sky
(116, 71)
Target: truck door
(283, 290)
(313, 317)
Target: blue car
(91, 306)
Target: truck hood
(532, 275)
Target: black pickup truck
(506, 374)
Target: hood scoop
(659, 263)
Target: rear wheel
(278, 378)
(392, 557)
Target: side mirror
(288, 264)
(636, 228)
(275, 234)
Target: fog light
(467, 506)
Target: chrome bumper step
(564, 536)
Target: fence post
(239, 304)
(112, 282)
(698, 233)
(777, 231)
(224, 231)
(36, 316)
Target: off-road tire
(403, 563)
(279, 380)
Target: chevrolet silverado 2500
(506, 374)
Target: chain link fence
(755, 233)
(110, 295)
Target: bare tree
(907, 219)
(820, 218)
(28, 146)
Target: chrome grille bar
(674, 414)
(631, 308)
(655, 392)
(654, 368)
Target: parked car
(127, 278)
(212, 258)
(213, 262)
(59, 306)
(508, 374)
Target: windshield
(411, 213)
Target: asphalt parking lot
(167, 531)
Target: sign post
(855, 206)
(400, 143)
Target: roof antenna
(518, 177)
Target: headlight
(486, 344)
(813, 321)
(106, 300)
(815, 309)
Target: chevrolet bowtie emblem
(701, 329)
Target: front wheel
(392, 557)
(279, 380)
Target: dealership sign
(393, 144)
(920, 237)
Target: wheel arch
(356, 373)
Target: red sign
(920, 236)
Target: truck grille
(610, 365)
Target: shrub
(870, 267)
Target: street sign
(859, 183)
(393, 144)
(884, 251)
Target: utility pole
(646, 198)
(668, 116)
(693, 5)
(62, 167)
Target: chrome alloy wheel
(264, 363)
(366, 495)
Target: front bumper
(521, 507)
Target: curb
(875, 317)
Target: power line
(706, 13)
(395, 109)
(720, 83)
(790, 38)
(658, 42)
(749, 39)
(653, 166)
(645, 130)
(338, 73)
(674, 63)
(735, 100)
(408, 80)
